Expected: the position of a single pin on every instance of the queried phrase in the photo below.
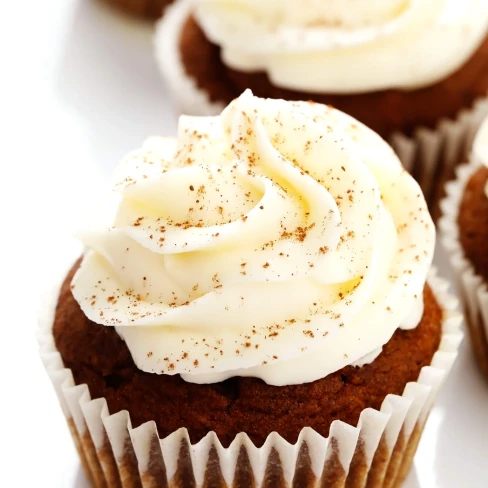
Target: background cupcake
(396, 66)
(465, 227)
(261, 293)
(149, 9)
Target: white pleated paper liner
(430, 155)
(376, 453)
(473, 290)
(186, 94)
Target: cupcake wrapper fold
(186, 94)
(376, 453)
(473, 290)
(430, 155)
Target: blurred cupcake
(465, 229)
(400, 67)
(149, 9)
(257, 308)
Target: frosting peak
(346, 46)
(279, 240)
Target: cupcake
(464, 227)
(400, 67)
(149, 9)
(257, 309)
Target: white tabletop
(79, 89)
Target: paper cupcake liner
(473, 290)
(186, 94)
(376, 453)
(430, 155)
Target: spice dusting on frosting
(274, 241)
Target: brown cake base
(149, 9)
(98, 357)
(473, 236)
(385, 111)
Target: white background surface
(79, 89)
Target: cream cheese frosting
(346, 46)
(280, 240)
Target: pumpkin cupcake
(465, 228)
(414, 72)
(257, 312)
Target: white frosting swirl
(480, 147)
(346, 46)
(279, 240)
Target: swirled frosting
(278, 240)
(346, 46)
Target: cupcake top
(346, 46)
(280, 240)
